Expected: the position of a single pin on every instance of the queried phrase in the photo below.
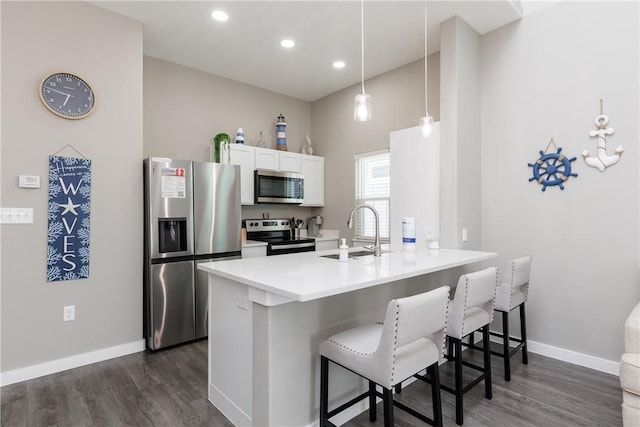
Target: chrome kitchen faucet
(376, 246)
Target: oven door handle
(292, 246)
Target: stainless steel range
(277, 233)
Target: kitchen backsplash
(279, 211)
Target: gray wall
(397, 99)
(185, 108)
(539, 78)
(543, 77)
(460, 135)
(39, 38)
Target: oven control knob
(282, 223)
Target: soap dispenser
(344, 250)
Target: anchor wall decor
(602, 160)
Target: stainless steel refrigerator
(192, 215)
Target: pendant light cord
(426, 109)
(362, 43)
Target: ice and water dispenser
(172, 235)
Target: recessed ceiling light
(287, 43)
(219, 15)
(339, 64)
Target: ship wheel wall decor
(552, 168)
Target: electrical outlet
(69, 313)
(242, 302)
(465, 236)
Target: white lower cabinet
(254, 251)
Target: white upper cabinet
(290, 162)
(244, 156)
(252, 158)
(267, 159)
(312, 168)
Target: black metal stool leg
(458, 380)
(324, 390)
(372, 401)
(523, 329)
(505, 345)
(487, 362)
(387, 399)
(434, 374)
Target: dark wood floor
(169, 388)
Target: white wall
(543, 77)
(39, 38)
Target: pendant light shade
(426, 125)
(362, 102)
(426, 121)
(362, 107)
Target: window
(373, 187)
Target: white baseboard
(571, 356)
(59, 365)
(229, 409)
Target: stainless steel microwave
(278, 187)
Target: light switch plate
(16, 215)
(28, 181)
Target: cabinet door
(244, 156)
(254, 251)
(267, 159)
(312, 168)
(290, 162)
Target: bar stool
(411, 337)
(513, 292)
(471, 310)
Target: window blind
(373, 187)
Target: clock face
(67, 95)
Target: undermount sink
(354, 254)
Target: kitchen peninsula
(268, 315)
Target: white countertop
(307, 276)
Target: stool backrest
(515, 278)
(473, 303)
(408, 322)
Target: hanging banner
(69, 215)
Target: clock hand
(65, 101)
(55, 90)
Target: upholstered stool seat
(410, 339)
(630, 370)
(513, 292)
(471, 310)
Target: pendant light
(426, 121)
(362, 104)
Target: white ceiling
(247, 48)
